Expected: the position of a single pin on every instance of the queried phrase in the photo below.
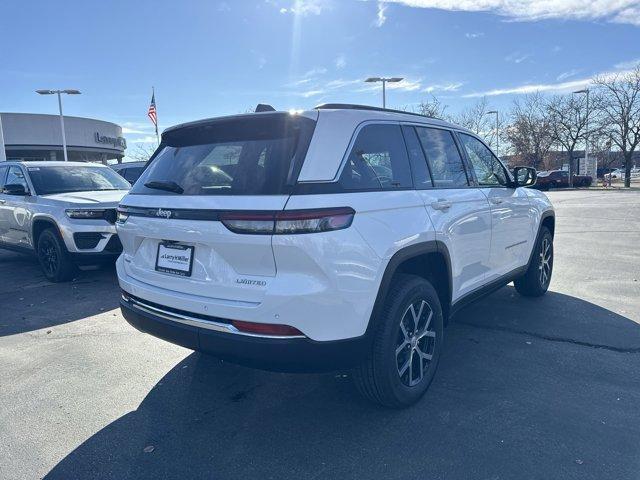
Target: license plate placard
(174, 258)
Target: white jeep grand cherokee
(345, 236)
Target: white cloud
(307, 7)
(341, 61)
(314, 72)
(128, 130)
(146, 139)
(406, 85)
(568, 74)
(627, 65)
(340, 83)
(517, 57)
(311, 93)
(474, 34)
(381, 17)
(447, 87)
(560, 87)
(617, 11)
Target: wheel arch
(547, 219)
(429, 260)
(40, 224)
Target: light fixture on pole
(586, 140)
(384, 81)
(58, 92)
(491, 112)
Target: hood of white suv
(106, 196)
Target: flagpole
(153, 93)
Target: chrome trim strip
(198, 322)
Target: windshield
(248, 155)
(64, 179)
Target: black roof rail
(353, 106)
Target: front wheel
(53, 257)
(407, 345)
(535, 282)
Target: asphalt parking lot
(527, 388)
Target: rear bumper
(266, 353)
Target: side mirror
(15, 189)
(524, 176)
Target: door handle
(496, 200)
(441, 204)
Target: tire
(387, 376)
(53, 257)
(535, 282)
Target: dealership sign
(115, 141)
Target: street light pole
(384, 81)
(64, 137)
(586, 141)
(59, 92)
(497, 131)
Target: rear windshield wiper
(165, 185)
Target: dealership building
(30, 136)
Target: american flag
(152, 110)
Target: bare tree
(619, 112)
(142, 152)
(568, 124)
(529, 134)
(431, 107)
(476, 119)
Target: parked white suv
(64, 212)
(345, 236)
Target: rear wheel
(535, 282)
(53, 257)
(407, 345)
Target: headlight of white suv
(82, 213)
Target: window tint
(132, 173)
(246, 155)
(16, 176)
(488, 169)
(48, 180)
(445, 162)
(3, 173)
(421, 176)
(378, 160)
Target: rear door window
(245, 155)
(378, 160)
(445, 162)
(421, 176)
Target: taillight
(249, 222)
(287, 222)
(267, 329)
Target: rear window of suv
(246, 155)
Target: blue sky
(209, 58)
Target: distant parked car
(130, 171)
(619, 174)
(560, 179)
(63, 212)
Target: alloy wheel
(416, 342)
(48, 256)
(545, 262)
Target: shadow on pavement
(28, 301)
(503, 405)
